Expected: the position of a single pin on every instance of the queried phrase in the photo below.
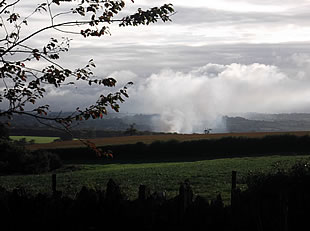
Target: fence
(109, 209)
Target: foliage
(282, 178)
(24, 85)
(4, 131)
(15, 158)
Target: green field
(207, 177)
(37, 139)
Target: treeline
(206, 148)
(80, 133)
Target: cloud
(213, 59)
(204, 15)
(189, 102)
(196, 23)
(199, 29)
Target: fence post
(113, 194)
(54, 183)
(185, 195)
(144, 192)
(233, 187)
(234, 180)
(284, 204)
(234, 197)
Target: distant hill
(115, 124)
(110, 122)
(278, 117)
(255, 122)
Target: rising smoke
(190, 102)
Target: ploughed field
(147, 139)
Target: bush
(36, 163)
(12, 156)
(4, 131)
(281, 178)
(54, 161)
(17, 159)
(279, 199)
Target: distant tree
(65, 137)
(131, 130)
(23, 85)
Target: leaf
(56, 1)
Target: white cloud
(203, 22)
(216, 57)
(190, 101)
(237, 6)
(187, 102)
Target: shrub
(36, 163)
(17, 159)
(12, 156)
(54, 161)
(4, 131)
(281, 178)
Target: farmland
(207, 177)
(163, 165)
(36, 139)
(147, 139)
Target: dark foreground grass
(207, 177)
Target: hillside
(147, 139)
(115, 124)
(268, 123)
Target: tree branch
(7, 6)
(29, 114)
(72, 23)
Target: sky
(215, 58)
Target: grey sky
(214, 58)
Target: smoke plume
(196, 100)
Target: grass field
(37, 139)
(147, 139)
(207, 177)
